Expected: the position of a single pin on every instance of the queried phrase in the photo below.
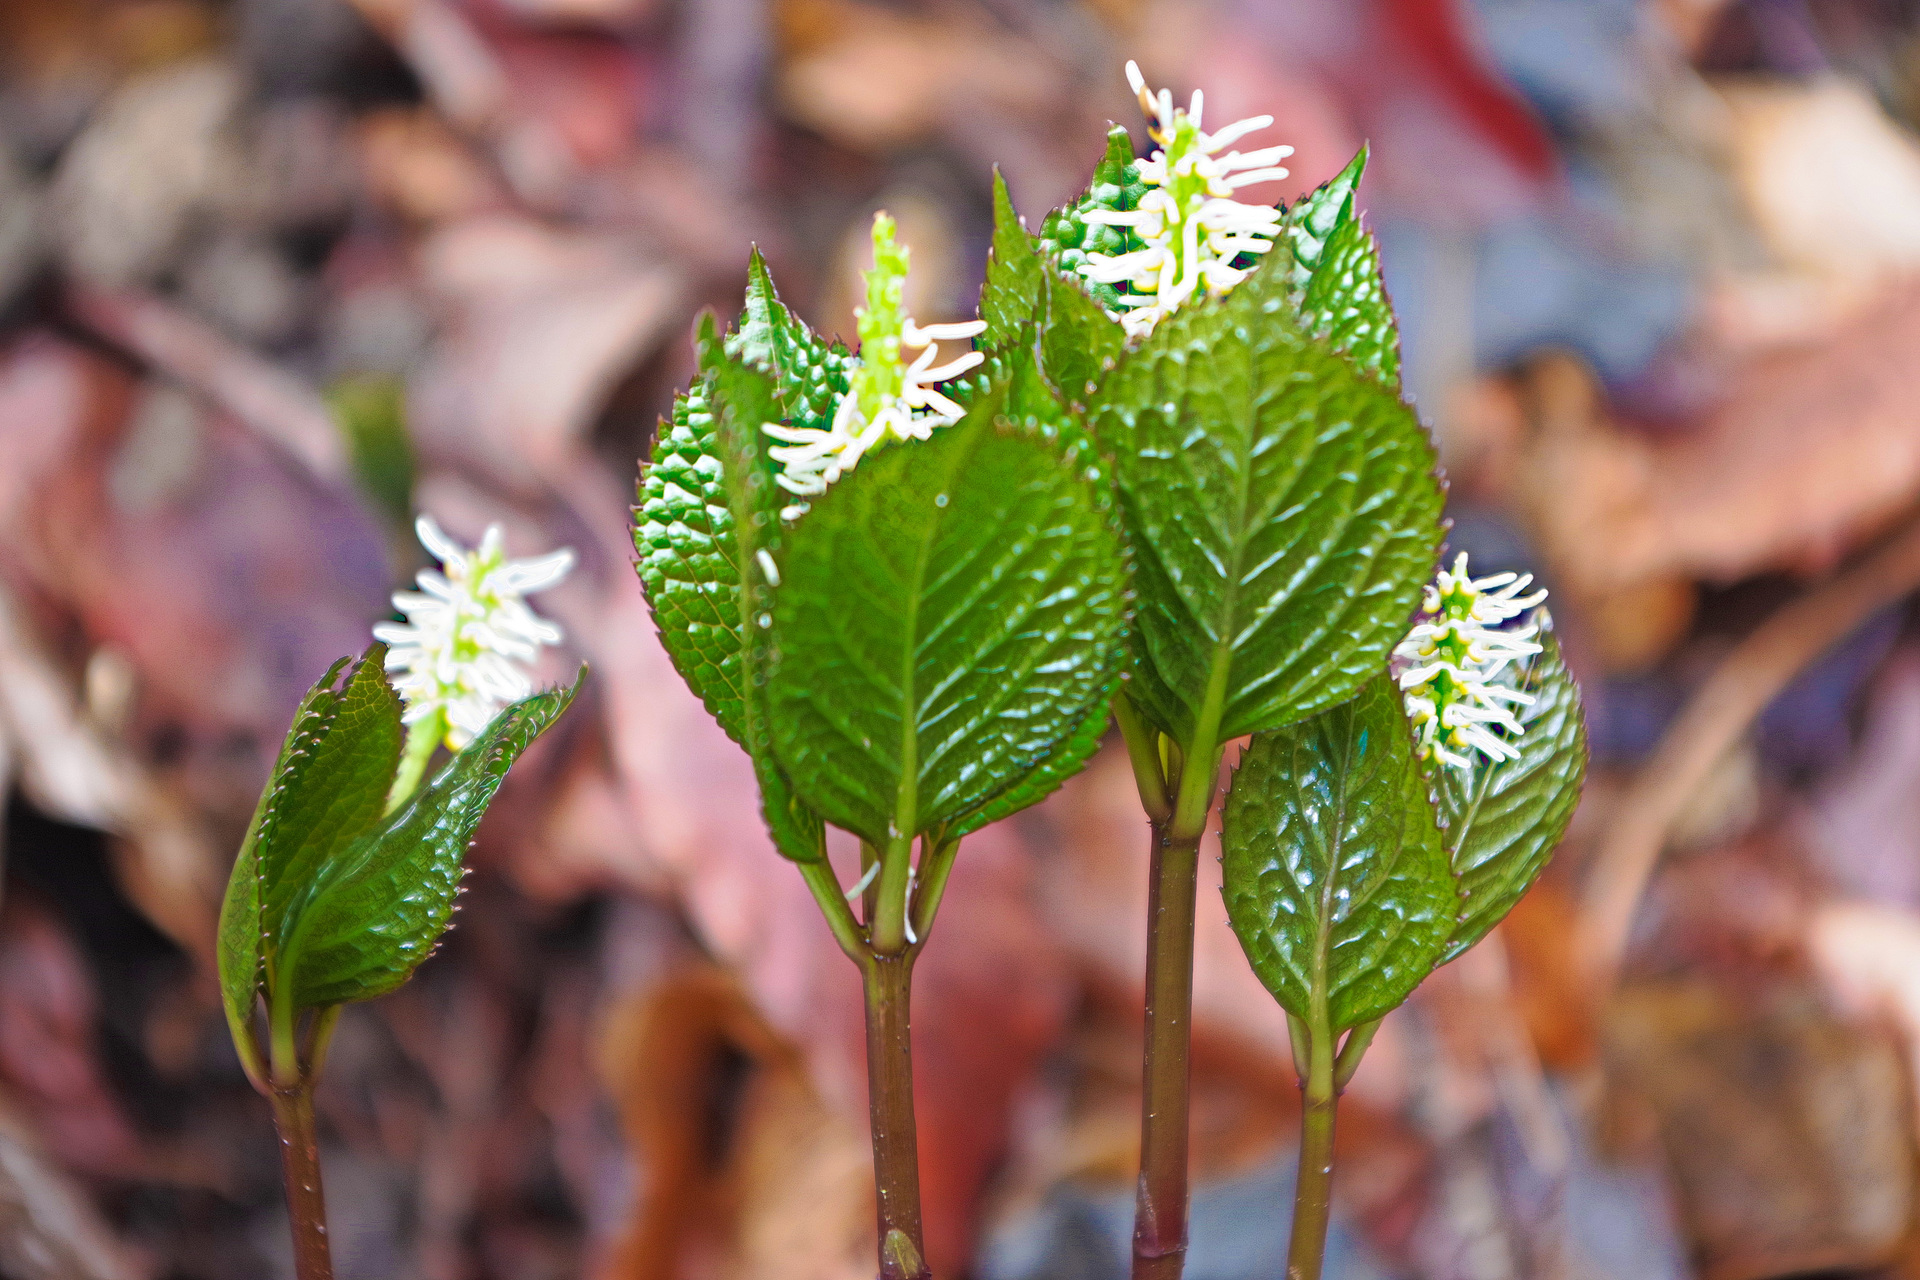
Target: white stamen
(1210, 233)
(467, 628)
(1457, 653)
(860, 885)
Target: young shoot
(461, 654)
(1194, 229)
(888, 398)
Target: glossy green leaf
(685, 555)
(1014, 372)
(950, 617)
(1066, 237)
(1011, 294)
(706, 524)
(1281, 510)
(340, 794)
(1036, 278)
(1031, 405)
(810, 373)
(744, 400)
(366, 921)
(1079, 342)
(1503, 821)
(1068, 759)
(1339, 291)
(1336, 880)
(241, 944)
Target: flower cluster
(1192, 226)
(887, 398)
(1457, 655)
(457, 656)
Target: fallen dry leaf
(48, 1024)
(1809, 453)
(1790, 1134)
(874, 78)
(49, 1229)
(542, 326)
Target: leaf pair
(925, 648)
(332, 898)
(1279, 498)
(1351, 873)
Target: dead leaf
(1790, 1134)
(874, 78)
(543, 325)
(49, 1229)
(1809, 453)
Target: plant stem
(422, 737)
(896, 1156)
(1160, 1203)
(1313, 1192)
(300, 1162)
(1143, 750)
(1160, 1209)
(887, 927)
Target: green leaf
(340, 794)
(1336, 880)
(1314, 217)
(241, 944)
(1503, 821)
(688, 537)
(1079, 342)
(708, 511)
(1069, 758)
(367, 920)
(1012, 291)
(1014, 371)
(951, 615)
(1281, 509)
(371, 411)
(1066, 237)
(745, 400)
(1032, 406)
(1339, 291)
(811, 374)
(1031, 277)
(685, 555)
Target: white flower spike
(1192, 225)
(1456, 653)
(887, 399)
(457, 658)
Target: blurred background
(275, 273)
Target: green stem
(1297, 1040)
(896, 1155)
(422, 737)
(887, 927)
(248, 1047)
(1313, 1192)
(833, 905)
(1160, 1203)
(1351, 1052)
(936, 864)
(300, 1162)
(283, 1052)
(1143, 752)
